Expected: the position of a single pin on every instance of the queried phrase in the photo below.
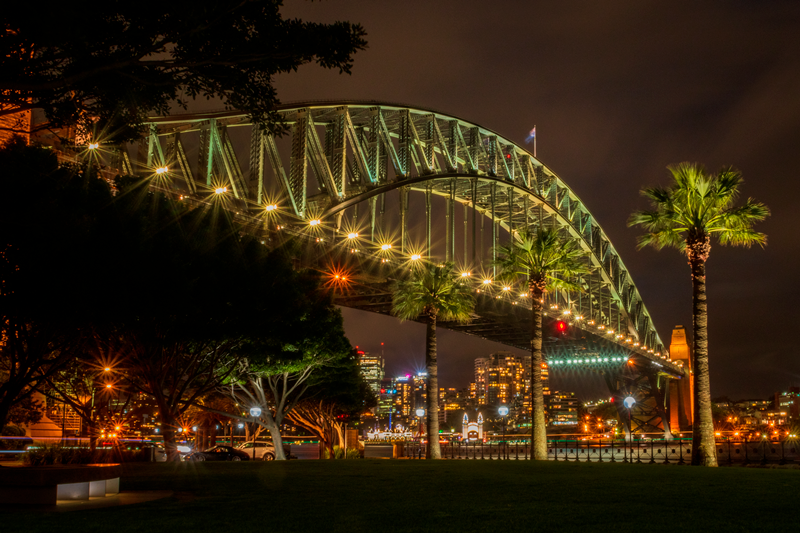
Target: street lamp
(629, 402)
(420, 413)
(255, 412)
(503, 411)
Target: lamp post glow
(255, 412)
(503, 411)
(420, 413)
(629, 402)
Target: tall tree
(277, 371)
(545, 262)
(180, 321)
(336, 394)
(685, 215)
(115, 62)
(52, 219)
(434, 292)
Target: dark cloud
(617, 90)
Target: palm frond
(543, 254)
(433, 289)
(697, 204)
(742, 237)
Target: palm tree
(547, 263)
(436, 293)
(685, 216)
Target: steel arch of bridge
(360, 151)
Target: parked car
(219, 453)
(263, 450)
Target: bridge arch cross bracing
(341, 154)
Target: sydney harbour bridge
(375, 187)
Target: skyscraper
(504, 378)
(372, 370)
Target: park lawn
(401, 495)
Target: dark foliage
(115, 62)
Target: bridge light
(506, 288)
(352, 235)
(315, 222)
(567, 312)
(487, 281)
(416, 257)
(162, 170)
(271, 207)
(465, 274)
(109, 386)
(385, 247)
(94, 146)
(220, 190)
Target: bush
(340, 453)
(55, 454)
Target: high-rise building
(404, 398)
(420, 390)
(503, 378)
(372, 369)
(480, 379)
(562, 408)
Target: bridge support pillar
(681, 392)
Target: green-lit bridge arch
(339, 156)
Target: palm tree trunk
(538, 427)
(433, 451)
(704, 450)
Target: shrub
(55, 454)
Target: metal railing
(730, 451)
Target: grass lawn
(396, 496)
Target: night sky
(617, 91)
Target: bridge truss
(341, 164)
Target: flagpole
(534, 140)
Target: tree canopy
(115, 62)
(697, 206)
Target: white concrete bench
(45, 485)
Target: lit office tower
(404, 398)
(503, 378)
(372, 369)
(480, 379)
